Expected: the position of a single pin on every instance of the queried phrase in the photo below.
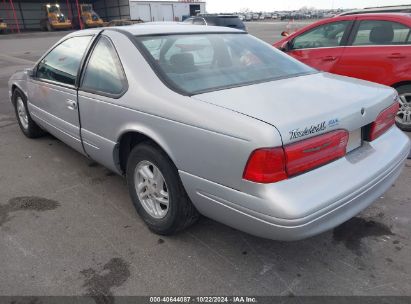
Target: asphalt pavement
(67, 227)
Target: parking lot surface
(67, 227)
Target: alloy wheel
(404, 112)
(22, 113)
(152, 190)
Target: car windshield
(198, 63)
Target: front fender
(18, 80)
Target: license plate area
(354, 140)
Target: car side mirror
(286, 46)
(29, 72)
(285, 34)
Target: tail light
(269, 165)
(266, 166)
(384, 121)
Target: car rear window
(198, 63)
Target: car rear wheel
(403, 118)
(27, 125)
(157, 191)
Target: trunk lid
(306, 106)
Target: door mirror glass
(286, 46)
(29, 72)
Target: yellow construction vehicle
(3, 26)
(54, 19)
(89, 16)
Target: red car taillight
(266, 166)
(384, 121)
(269, 165)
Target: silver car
(212, 121)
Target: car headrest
(382, 34)
(183, 63)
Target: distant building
(26, 14)
(165, 10)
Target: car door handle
(71, 104)
(396, 56)
(329, 58)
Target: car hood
(309, 105)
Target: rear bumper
(297, 208)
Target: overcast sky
(215, 6)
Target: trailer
(165, 10)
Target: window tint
(327, 35)
(104, 72)
(377, 32)
(63, 62)
(196, 63)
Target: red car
(374, 47)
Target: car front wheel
(27, 125)
(157, 191)
(403, 118)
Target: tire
(180, 212)
(403, 119)
(27, 125)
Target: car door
(102, 85)
(322, 46)
(379, 51)
(52, 91)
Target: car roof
(158, 28)
(387, 9)
(375, 14)
(399, 16)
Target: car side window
(199, 21)
(379, 32)
(326, 35)
(189, 20)
(104, 72)
(63, 62)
